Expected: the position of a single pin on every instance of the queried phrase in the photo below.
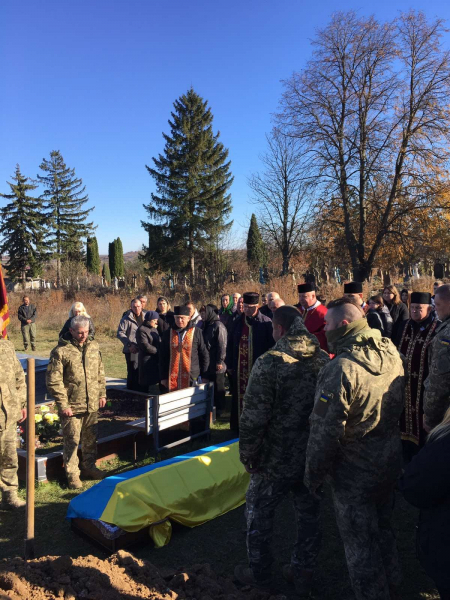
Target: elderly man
(183, 355)
(274, 431)
(126, 333)
(143, 300)
(13, 399)
(236, 297)
(354, 443)
(27, 316)
(437, 385)
(313, 312)
(413, 341)
(275, 304)
(76, 380)
(250, 338)
(266, 309)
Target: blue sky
(96, 79)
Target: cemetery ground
(221, 542)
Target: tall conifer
(192, 180)
(112, 258)
(65, 198)
(119, 263)
(93, 264)
(106, 273)
(256, 250)
(23, 229)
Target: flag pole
(31, 447)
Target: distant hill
(127, 257)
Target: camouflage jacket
(355, 436)
(436, 398)
(75, 376)
(274, 424)
(13, 392)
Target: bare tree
(280, 196)
(371, 114)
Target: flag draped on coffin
(190, 489)
(4, 311)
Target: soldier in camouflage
(13, 398)
(437, 385)
(76, 379)
(354, 443)
(274, 431)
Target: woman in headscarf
(215, 338)
(226, 311)
(77, 309)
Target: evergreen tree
(112, 258)
(23, 229)
(106, 273)
(93, 264)
(192, 181)
(65, 198)
(256, 250)
(119, 263)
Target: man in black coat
(27, 316)
(215, 338)
(250, 338)
(183, 356)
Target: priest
(250, 338)
(354, 289)
(183, 354)
(413, 341)
(313, 312)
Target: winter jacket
(399, 312)
(13, 391)
(199, 354)
(66, 328)
(426, 485)
(75, 375)
(436, 397)
(165, 321)
(265, 310)
(380, 319)
(274, 424)
(262, 338)
(148, 342)
(215, 338)
(27, 312)
(126, 331)
(355, 438)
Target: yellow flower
(44, 409)
(37, 418)
(48, 417)
(55, 418)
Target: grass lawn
(220, 542)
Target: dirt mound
(122, 576)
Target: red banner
(4, 311)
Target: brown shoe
(92, 473)
(74, 482)
(11, 500)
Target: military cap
(353, 287)
(251, 298)
(182, 311)
(302, 288)
(420, 298)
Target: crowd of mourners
(355, 393)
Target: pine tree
(93, 264)
(65, 198)
(192, 181)
(256, 250)
(23, 229)
(106, 273)
(112, 258)
(119, 263)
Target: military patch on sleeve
(445, 342)
(322, 403)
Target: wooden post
(31, 388)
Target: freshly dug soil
(122, 576)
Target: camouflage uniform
(13, 398)
(76, 379)
(274, 431)
(436, 398)
(355, 444)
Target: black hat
(182, 311)
(302, 288)
(420, 298)
(353, 287)
(251, 298)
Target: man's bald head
(342, 312)
(442, 301)
(274, 304)
(272, 296)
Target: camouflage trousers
(8, 455)
(370, 546)
(29, 331)
(263, 497)
(79, 427)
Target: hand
(28, 320)
(219, 368)
(134, 349)
(24, 415)
(165, 383)
(67, 412)
(251, 470)
(102, 403)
